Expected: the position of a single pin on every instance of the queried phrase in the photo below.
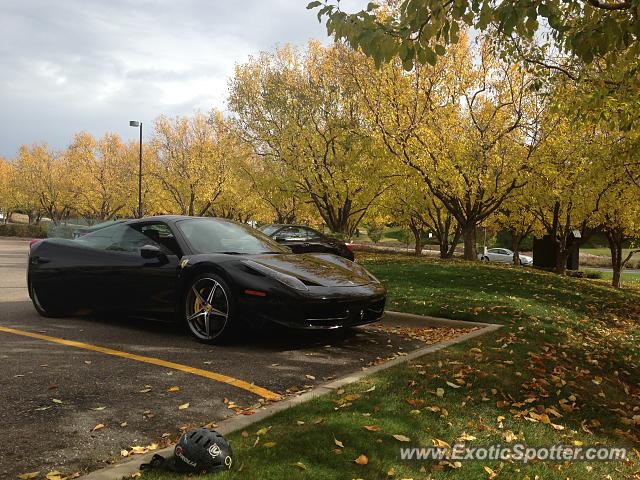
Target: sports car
(214, 275)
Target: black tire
(485, 259)
(213, 322)
(45, 309)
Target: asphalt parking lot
(81, 390)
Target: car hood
(320, 269)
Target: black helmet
(202, 450)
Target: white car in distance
(503, 255)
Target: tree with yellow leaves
(44, 183)
(191, 160)
(107, 184)
(468, 126)
(297, 111)
(7, 189)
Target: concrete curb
(239, 422)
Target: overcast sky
(72, 65)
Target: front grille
(343, 313)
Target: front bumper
(318, 310)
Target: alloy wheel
(207, 308)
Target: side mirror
(151, 251)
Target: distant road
(630, 271)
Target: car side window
(161, 234)
(119, 238)
(310, 234)
(291, 233)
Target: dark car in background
(303, 239)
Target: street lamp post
(135, 123)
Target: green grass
(568, 347)
(628, 279)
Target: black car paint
(67, 273)
(321, 244)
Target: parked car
(214, 275)
(503, 255)
(303, 239)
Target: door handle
(39, 260)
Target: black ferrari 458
(213, 274)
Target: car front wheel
(209, 308)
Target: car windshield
(269, 229)
(208, 235)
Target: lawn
(564, 369)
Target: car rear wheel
(209, 308)
(485, 259)
(43, 308)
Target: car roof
(288, 225)
(173, 218)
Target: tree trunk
(615, 247)
(470, 252)
(418, 238)
(515, 246)
(561, 261)
(452, 246)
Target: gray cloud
(92, 65)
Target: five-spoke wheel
(208, 308)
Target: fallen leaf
(123, 424)
(453, 385)
(144, 390)
(491, 473)
(270, 444)
(173, 389)
(362, 460)
(54, 475)
(184, 406)
(263, 431)
(28, 476)
(310, 377)
(98, 409)
(98, 427)
(300, 465)
(440, 392)
(372, 428)
(465, 437)
(401, 438)
(440, 443)
(56, 400)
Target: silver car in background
(503, 255)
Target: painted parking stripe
(218, 377)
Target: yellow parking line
(262, 392)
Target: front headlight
(288, 280)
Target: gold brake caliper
(197, 304)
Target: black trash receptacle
(545, 250)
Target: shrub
(375, 232)
(22, 230)
(593, 274)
